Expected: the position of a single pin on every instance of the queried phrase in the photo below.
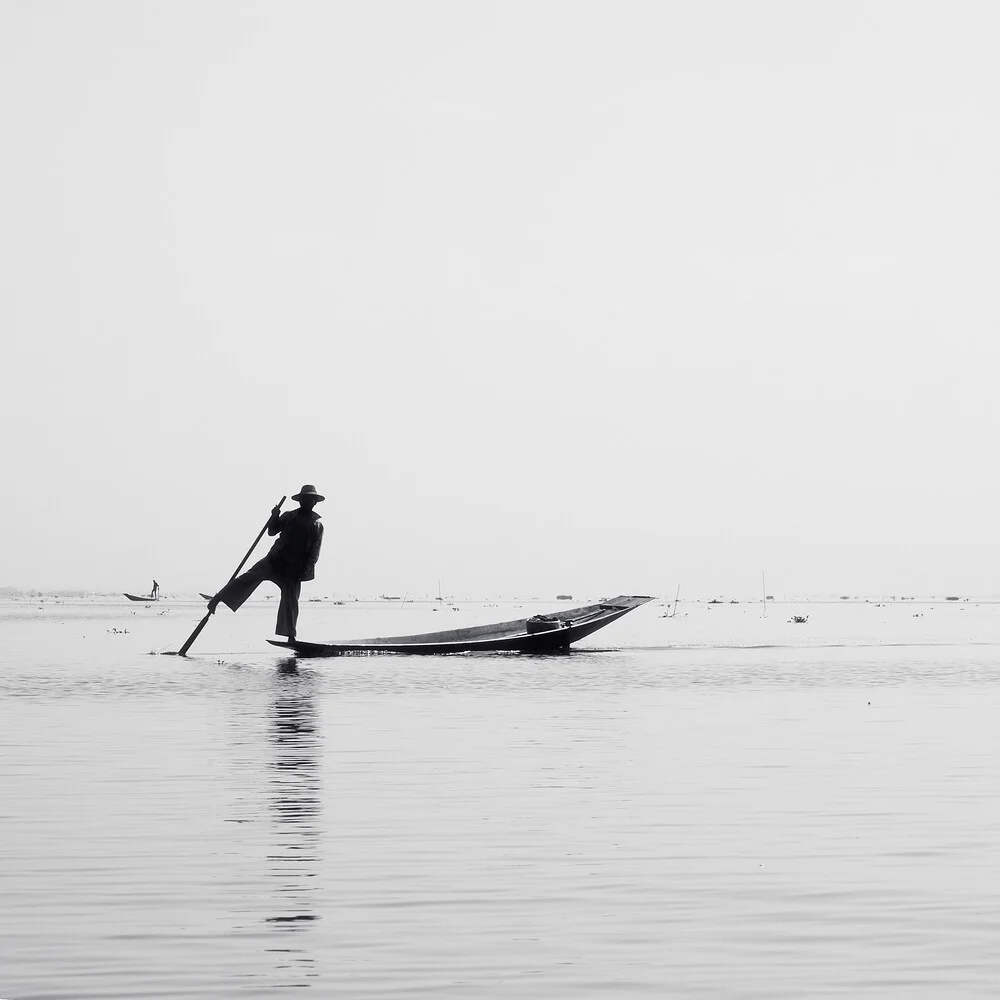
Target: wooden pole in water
(194, 635)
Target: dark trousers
(233, 594)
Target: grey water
(713, 806)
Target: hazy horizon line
(15, 593)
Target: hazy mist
(594, 297)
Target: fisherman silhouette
(291, 561)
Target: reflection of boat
(538, 634)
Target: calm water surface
(709, 807)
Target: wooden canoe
(538, 634)
(145, 600)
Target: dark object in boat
(544, 623)
(538, 634)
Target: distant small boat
(799, 619)
(677, 597)
(207, 597)
(539, 634)
(154, 595)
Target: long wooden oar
(194, 635)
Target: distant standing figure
(155, 592)
(291, 561)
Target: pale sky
(589, 297)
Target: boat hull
(522, 635)
(144, 600)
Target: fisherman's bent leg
(234, 593)
(288, 609)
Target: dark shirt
(300, 535)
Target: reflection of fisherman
(155, 592)
(295, 787)
(292, 560)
